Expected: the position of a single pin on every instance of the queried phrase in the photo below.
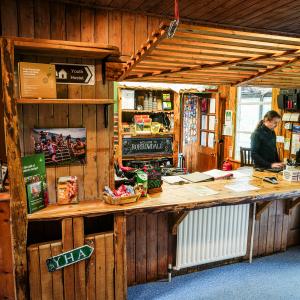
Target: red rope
(176, 10)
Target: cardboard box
(37, 80)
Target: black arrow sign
(76, 74)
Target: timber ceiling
(207, 55)
(280, 15)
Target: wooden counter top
(176, 198)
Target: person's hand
(277, 165)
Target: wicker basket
(120, 200)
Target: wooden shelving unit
(124, 114)
(19, 119)
(65, 101)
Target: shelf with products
(160, 120)
(22, 120)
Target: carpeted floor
(272, 277)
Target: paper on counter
(174, 180)
(217, 174)
(201, 190)
(238, 174)
(241, 187)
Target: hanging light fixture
(174, 24)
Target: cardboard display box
(37, 80)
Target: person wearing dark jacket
(263, 142)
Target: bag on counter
(142, 182)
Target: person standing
(263, 142)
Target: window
(252, 104)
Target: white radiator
(212, 234)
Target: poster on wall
(295, 139)
(228, 117)
(61, 146)
(190, 119)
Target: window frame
(239, 103)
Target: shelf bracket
(261, 208)
(290, 204)
(177, 219)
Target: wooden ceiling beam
(260, 74)
(206, 66)
(193, 53)
(146, 50)
(182, 45)
(229, 40)
(238, 35)
(237, 32)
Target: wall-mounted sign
(68, 258)
(75, 74)
(146, 146)
(37, 80)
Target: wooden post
(17, 186)
(120, 257)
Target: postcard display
(190, 118)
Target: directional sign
(68, 258)
(75, 74)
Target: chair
(246, 157)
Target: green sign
(68, 258)
(34, 172)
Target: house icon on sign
(62, 74)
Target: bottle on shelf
(146, 102)
(150, 99)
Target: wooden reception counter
(140, 238)
(177, 198)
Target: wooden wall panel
(47, 19)
(6, 258)
(151, 248)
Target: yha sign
(68, 258)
